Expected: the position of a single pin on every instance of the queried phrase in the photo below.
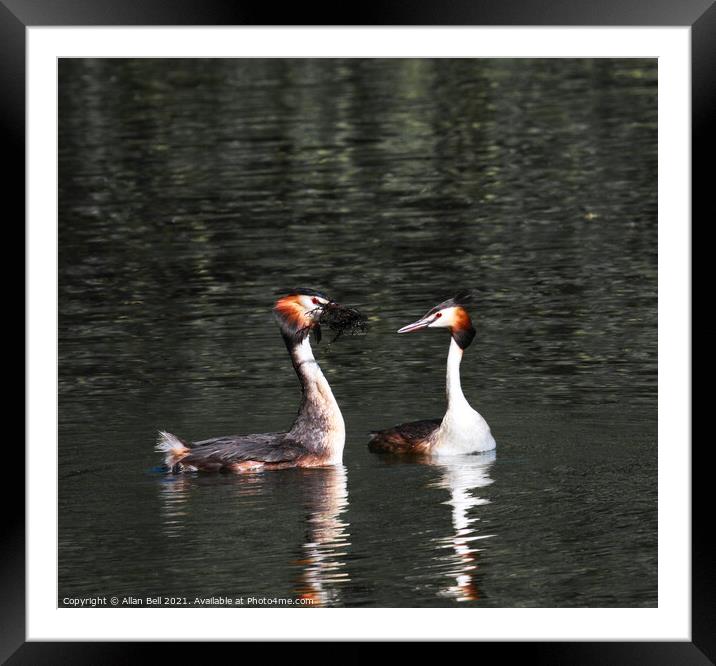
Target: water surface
(191, 190)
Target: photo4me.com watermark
(130, 601)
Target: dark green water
(190, 191)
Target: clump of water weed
(341, 319)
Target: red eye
(438, 315)
(316, 301)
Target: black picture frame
(17, 15)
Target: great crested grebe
(462, 429)
(318, 433)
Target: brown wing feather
(272, 447)
(404, 438)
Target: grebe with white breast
(318, 433)
(462, 429)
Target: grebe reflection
(319, 561)
(175, 494)
(323, 567)
(461, 477)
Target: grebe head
(450, 314)
(303, 310)
(299, 311)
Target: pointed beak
(417, 325)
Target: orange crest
(462, 329)
(462, 320)
(291, 314)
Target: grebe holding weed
(317, 435)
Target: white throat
(462, 430)
(455, 396)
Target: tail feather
(173, 448)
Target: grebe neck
(455, 396)
(462, 429)
(319, 423)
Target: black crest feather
(461, 299)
